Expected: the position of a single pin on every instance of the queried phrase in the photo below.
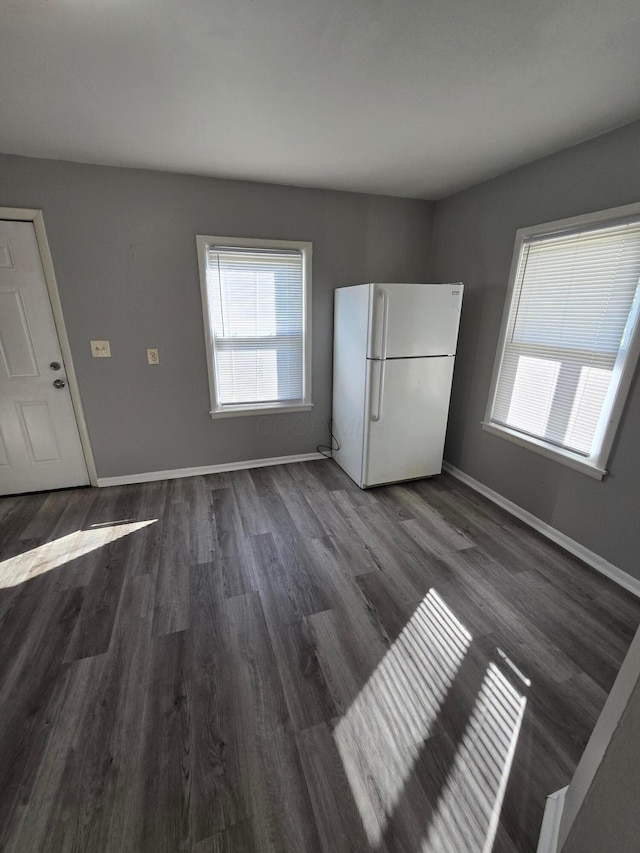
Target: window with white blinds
(256, 300)
(568, 340)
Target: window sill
(267, 409)
(564, 457)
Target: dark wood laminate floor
(273, 660)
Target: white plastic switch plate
(152, 356)
(100, 349)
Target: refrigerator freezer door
(411, 320)
(408, 404)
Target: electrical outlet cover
(152, 356)
(100, 349)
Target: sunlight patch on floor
(380, 736)
(466, 820)
(51, 555)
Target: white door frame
(20, 214)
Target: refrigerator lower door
(407, 409)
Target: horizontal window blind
(256, 301)
(570, 308)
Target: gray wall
(601, 806)
(123, 247)
(473, 242)
(610, 817)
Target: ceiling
(414, 98)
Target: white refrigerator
(393, 355)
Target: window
(256, 297)
(569, 341)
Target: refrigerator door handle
(385, 327)
(385, 323)
(383, 369)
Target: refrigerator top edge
(404, 283)
(408, 357)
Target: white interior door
(411, 320)
(408, 409)
(40, 446)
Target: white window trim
(202, 243)
(594, 466)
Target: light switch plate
(152, 356)
(100, 349)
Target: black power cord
(322, 447)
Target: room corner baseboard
(548, 841)
(592, 559)
(175, 473)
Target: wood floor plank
(263, 482)
(598, 656)
(28, 699)
(70, 526)
(98, 808)
(392, 606)
(479, 524)
(15, 514)
(52, 618)
(567, 573)
(219, 799)
(358, 555)
(94, 626)
(308, 698)
(441, 535)
(575, 582)
(346, 661)
(538, 766)
(46, 518)
(146, 545)
(19, 567)
(336, 814)
(239, 838)
(172, 600)
(299, 508)
(277, 660)
(104, 510)
(397, 552)
(249, 504)
(167, 752)
(349, 601)
(232, 551)
(202, 534)
(527, 644)
(329, 475)
(30, 829)
(30, 606)
(113, 741)
(296, 567)
(438, 545)
(280, 804)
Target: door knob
(59, 383)
(55, 365)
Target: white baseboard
(592, 559)
(548, 841)
(174, 473)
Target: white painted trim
(592, 559)
(269, 409)
(174, 473)
(566, 457)
(548, 841)
(306, 250)
(20, 214)
(624, 368)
